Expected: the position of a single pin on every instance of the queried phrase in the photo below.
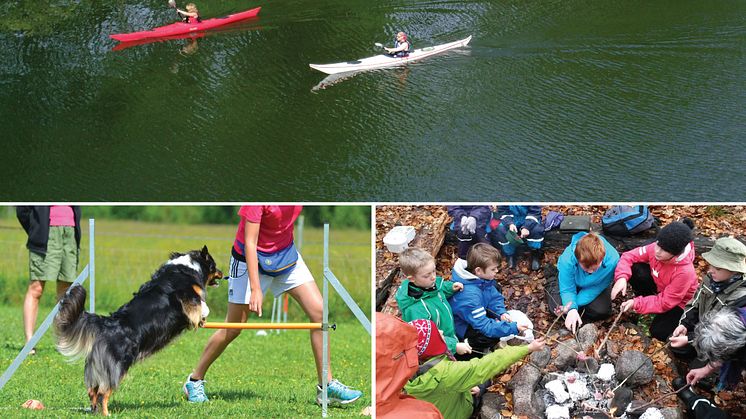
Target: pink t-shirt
(61, 215)
(275, 226)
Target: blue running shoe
(338, 393)
(195, 390)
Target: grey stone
(628, 362)
(672, 413)
(542, 358)
(588, 335)
(589, 366)
(567, 356)
(538, 400)
(526, 377)
(490, 407)
(523, 385)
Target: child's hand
(524, 232)
(457, 286)
(463, 348)
(474, 391)
(536, 345)
(522, 328)
(627, 305)
(505, 317)
(513, 228)
(620, 286)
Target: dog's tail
(75, 328)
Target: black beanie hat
(674, 237)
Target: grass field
(270, 376)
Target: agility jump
(329, 277)
(295, 326)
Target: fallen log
(556, 240)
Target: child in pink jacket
(662, 276)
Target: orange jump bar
(219, 325)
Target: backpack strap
(424, 368)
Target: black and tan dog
(171, 302)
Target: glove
(471, 224)
(464, 229)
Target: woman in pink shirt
(264, 256)
(662, 276)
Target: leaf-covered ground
(524, 289)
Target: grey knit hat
(727, 253)
(674, 237)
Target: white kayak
(381, 61)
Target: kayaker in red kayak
(401, 46)
(190, 15)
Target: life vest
(190, 19)
(397, 44)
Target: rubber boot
(686, 395)
(535, 259)
(511, 261)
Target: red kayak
(180, 28)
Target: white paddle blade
(172, 4)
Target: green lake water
(551, 101)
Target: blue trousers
(534, 240)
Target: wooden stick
(658, 399)
(608, 332)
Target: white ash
(557, 411)
(652, 413)
(577, 387)
(606, 372)
(557, 388)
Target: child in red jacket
(662, 276)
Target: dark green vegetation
(552, 101)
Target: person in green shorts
(54, 250)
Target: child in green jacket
(449, 384)
(423, 296)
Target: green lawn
(270, 376)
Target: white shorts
(239, 291)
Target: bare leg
(309, 298)
(220, 339)
(31, 307)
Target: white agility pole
(85, 273)
(325, 330)
(92, 266)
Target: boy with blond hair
(424, 296)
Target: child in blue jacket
(479, 309)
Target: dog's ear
(204, 251)
(174, 255)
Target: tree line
(354, 217)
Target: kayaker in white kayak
(401, 46)
(190, 15)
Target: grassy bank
(270, 376)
